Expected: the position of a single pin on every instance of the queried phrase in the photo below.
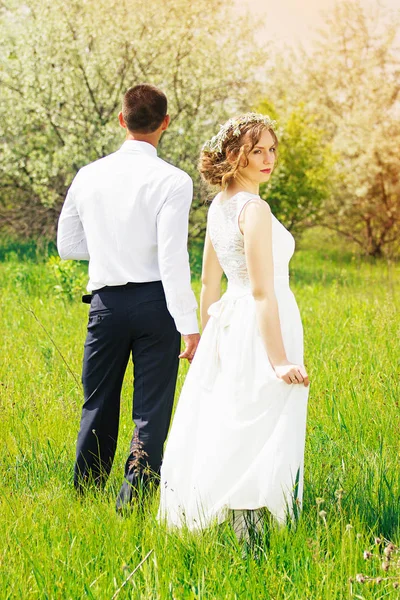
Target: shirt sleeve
(71, 239)
(173, 258)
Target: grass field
(54, 545)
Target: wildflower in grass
(389, 550)
(389, 560)
(138, 454)
(339, 496)
(319, 501)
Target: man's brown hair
(144, 108)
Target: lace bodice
(228, 241)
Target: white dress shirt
(128, 214)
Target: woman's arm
(211, 280)
(256, 224)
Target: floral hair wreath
(216, 143)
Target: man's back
(119, 200)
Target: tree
(64, 65)
(356, 72)
(349, 83)
(303, 176)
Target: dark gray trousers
(123, 321)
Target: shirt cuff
(187, 324)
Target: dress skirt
(237, 439)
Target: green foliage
(196, 258)
(303, 177)
(71, 277)
(56, 545)
(12, 249)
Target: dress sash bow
(221, 314)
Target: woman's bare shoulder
(258, 206)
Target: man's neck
(152, 139)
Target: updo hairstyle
(218, 165)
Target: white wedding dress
(237, 439)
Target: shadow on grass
(26, 250)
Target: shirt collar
(140, 147)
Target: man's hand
(191, 343)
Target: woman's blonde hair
(221, 156)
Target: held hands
(291, 373)
(191, 343)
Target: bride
(237, 440)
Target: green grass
(54, 545)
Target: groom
(127, 214)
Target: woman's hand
(291, 373)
